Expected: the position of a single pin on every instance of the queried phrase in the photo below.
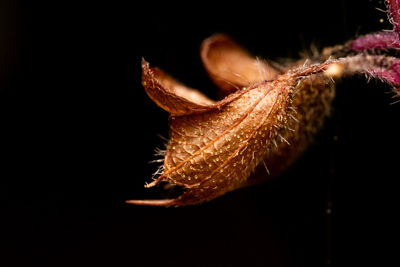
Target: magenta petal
(380, 40)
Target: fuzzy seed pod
(268, 116)
(215, 147)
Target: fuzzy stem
(377, 66)
(394, 8)
(380, 40)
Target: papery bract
(267, 118)
(215, 146)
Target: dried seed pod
(215, 146)
(268, 118)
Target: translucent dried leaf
(230, 66)
(171, 95)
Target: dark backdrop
(78, 131)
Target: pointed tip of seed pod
(153, 202)
(154, 182)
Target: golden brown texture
(230, 66)
(215, 146)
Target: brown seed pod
(215, 146)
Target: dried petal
(230, 66)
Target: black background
(78, 131)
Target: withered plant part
(265, 121)
(215, 146)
